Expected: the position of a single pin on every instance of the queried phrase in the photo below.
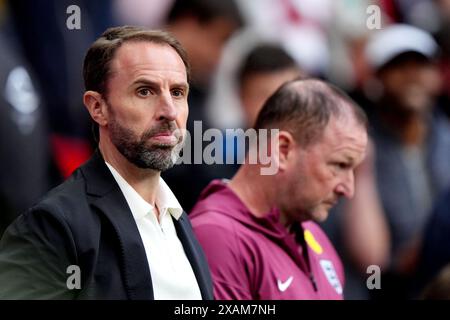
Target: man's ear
(96, 106)
(286, 146)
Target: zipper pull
(313, 281)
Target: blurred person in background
(265, 68)
(412, 143)
(263, 71)
(443, 38)
(55, 53)
(202, 27)
(432, 16)
(435, 251)
(148, 13)
(27, 170)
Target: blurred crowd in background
(241, 51)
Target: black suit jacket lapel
(195, 255)
(109, 199)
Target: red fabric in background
(389, 7)
(69, 153)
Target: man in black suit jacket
(87, 238)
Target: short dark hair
(96, 67)
(206, 10)
(265, 58)
(304, 107)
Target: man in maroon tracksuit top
(258, 230)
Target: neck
(253, 189)
(144, 181)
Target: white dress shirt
(170, 269)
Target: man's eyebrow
(182, 85)
(146, 82)
(349, 159)
(151, 83)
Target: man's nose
(346, 186)
(166, 109)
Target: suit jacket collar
(195, 255)
(110, 201)
(99, 179)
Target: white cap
(396, 39)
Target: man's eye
(144, 92)
(342, 165)
(177, 93)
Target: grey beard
(157, 157)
